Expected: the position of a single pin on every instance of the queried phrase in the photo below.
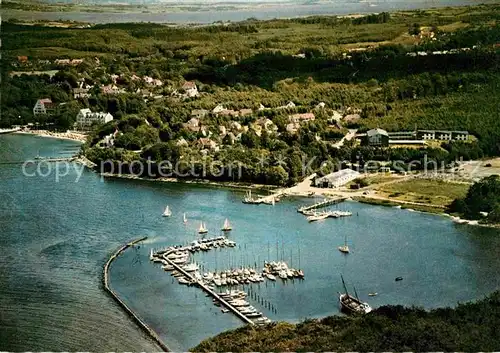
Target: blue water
(56, 237)
(335, 7)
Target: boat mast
(355, 293)
(343, 283)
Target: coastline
(220, 184)
(71, 136)
(129, 311)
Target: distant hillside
(469, 327)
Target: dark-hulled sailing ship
(350, 304)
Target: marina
(176, 259)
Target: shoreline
(219, 184)
(129, 311)
(68, 136)
(424, 209)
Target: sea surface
(266, 12)
(56, 236)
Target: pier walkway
(206, 289)
(324, 203)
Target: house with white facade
(43, 106)
(190, 88)
(86, 118)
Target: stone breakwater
(129, 311)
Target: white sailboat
(184, 219)
(202, 229)
(167, 212)
(227, 226)
(344, 248)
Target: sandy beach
(68, 135)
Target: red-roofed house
(190, 88)
(43, 106)
(22, 59)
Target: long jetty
(206, 289)
(134, 316)
(324, 203)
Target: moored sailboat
(350, 304)
(202, 229)
(184, 219)
(167, 212)
(227, 226)
(344, 248)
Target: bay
(266, 12)
(56, 237)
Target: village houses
(190, 88)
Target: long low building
(337, 179)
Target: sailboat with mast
(227, 226)
(167, 212)
(184, 219)
(344, 248)
(350, 304)
(202, 229)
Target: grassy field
(432, 192)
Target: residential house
(190, 88)
(235, 125)
(207, 144)
(199, 113)
(300, 118)
(244, 112)
(287, 106)
(230, 139)
(292, 128)
(267, 124)
(43, 106)
(222, 130)
(111, 89)
(228, 112)
(81, 93)
(337, 179)
(219, 108)
(352, 118)
(376, 138)
(182, 142)
(320, 105)
(86, 118)
(23, 59)
(192, 125)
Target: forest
(466, 328)
(372, 65)
(482, 201)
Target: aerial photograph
(250, 175)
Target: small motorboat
(398, 279)
(372, 294)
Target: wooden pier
(136, 318)
(206, 289)
(321, 204)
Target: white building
(85, 118)
(337, 179)
(43, 106)
(190, 88)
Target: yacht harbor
(177, 260)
